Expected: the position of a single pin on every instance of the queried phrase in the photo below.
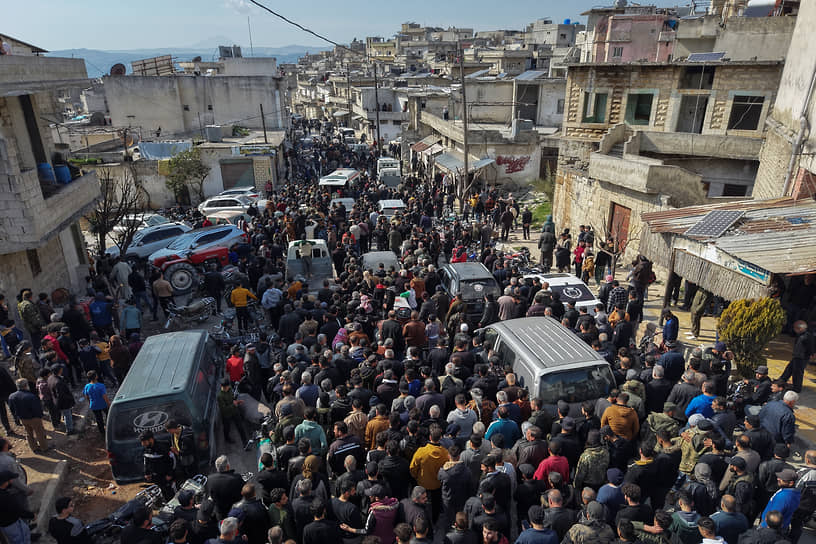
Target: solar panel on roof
(715, 223)
(706, 57)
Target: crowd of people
(405, 426)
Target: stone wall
(774, 158)
(54, 258)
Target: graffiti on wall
(513, 164)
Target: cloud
(241, 6)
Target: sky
(121, 24)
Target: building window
(697, 77)
(745, 112)
(186, 107)
(732, 189)
(560, 107)
(209, 107)
(34, 262)
(639, 108)
(594, 107)
(617, 52)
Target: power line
(303, 28)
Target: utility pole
(377, 101)
(464, 120)
(263, 124)
(201, 126)
(251, 49)
(348, 92)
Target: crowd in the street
(395, 420)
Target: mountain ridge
(99, 61)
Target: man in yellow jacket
(240, 298)
(425, 468)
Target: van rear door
(126, 421)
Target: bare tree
(137, 205)
(611, 232)
(119, 197)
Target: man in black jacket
(321, 530)
(256, 517)
(13, 511)
(224, 487)
(183, 448)
(457, 484)
(62, 397)
(270, 477)
(491, 311)
(138, 532)
(214, 286)
(158, 466)
(556, 517)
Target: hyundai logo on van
(153, 420)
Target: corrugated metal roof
(776, 235)
(449, 162)
(531, 75)
(425, 143)
(477, 73)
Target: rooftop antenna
(251, 50)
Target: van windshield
(128, 422)
(477, 289)
(576, 385)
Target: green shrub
(747, 326)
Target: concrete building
(183, 105)
(634, 38)
(393, 111)
(41, 246)
(233, 66)
(651, 136)
(502, 148)
(788, 157)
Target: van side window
(490, 336)
(507, 355)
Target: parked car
(149, 240)
(183, 260)
(249, 192)
(550, 361)
(474, 281)
(570, 289)
(225, 203)
(140, 220)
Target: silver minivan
(550, 361)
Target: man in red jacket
(554, 463)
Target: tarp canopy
(154, 151)
(454, 164)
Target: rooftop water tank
(567, 22)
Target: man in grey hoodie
(462, 416)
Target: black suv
(474, 281)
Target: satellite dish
(118, 69)
(197, 59)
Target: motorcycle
(195, 484)
(226, 336)
(261, 441)
(198, 311)
(107, 529)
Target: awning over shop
(479, 164)
(340, 113)
(433, 150)
(425, 143)
(734, 258)
(453, 163)
(449, 162)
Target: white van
(550, 361)
(390, 177)
(339, 178)
(387, 162)
(389, 208)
